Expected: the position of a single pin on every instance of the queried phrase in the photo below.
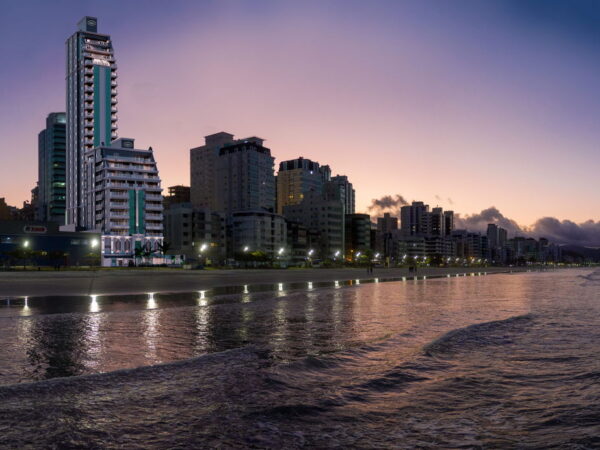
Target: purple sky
(465, 104)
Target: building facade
(196, 233)
(51, 194)
(203, 170)
(339, 187)
(123, 201)
(91, 115)
(258, 231)
(296, 177)
(324, 218)
(246, 179)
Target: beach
(140, 281)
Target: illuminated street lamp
(94, 243)
(26, 244)
(246, 248)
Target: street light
(94, 243)
(246, 248)
(203, 247)
(25, 244)
(310, 252)
(280, 251)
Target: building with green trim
(91, 113)
(124, 202)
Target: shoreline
(132, 281)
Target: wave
(204, 362)
(477, 335)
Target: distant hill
(579, 252)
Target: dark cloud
(450, 201)
(387, 203)
(560, 232)
(479, 222)
(568, 232)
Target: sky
(464, 104)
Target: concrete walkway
(134, 281)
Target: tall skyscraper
(296, 177)
(51, 170)
(91, 106)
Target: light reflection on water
(66, 336)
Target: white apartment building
(124, 202)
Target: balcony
(116, 215)
(151, 197)
(150, 216)
(118, 225)
(89, 89)
(153, 207)
(88, 98)
(155, 227)
(114, 117)
(113, 82)
(112, 194)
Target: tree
(138, 252)
(164, 247)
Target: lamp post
(203, 248)
(94, 244)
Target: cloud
(450, 201)
(479, 222)
(387, 203)
(568, 232)
(555, 230)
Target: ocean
(491, 361)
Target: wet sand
(135, 281)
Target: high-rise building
(196, 233)
(246, 179)
(448, 222)
(258, 231)
(412, 219)
(124, 201)
(91, 117)
(325, 218)
(177, 194)
(296, 177)
(51, 170)
(357, 234)
(203, 170)
(340, 187)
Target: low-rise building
(43, 244)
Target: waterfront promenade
(132, 281)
